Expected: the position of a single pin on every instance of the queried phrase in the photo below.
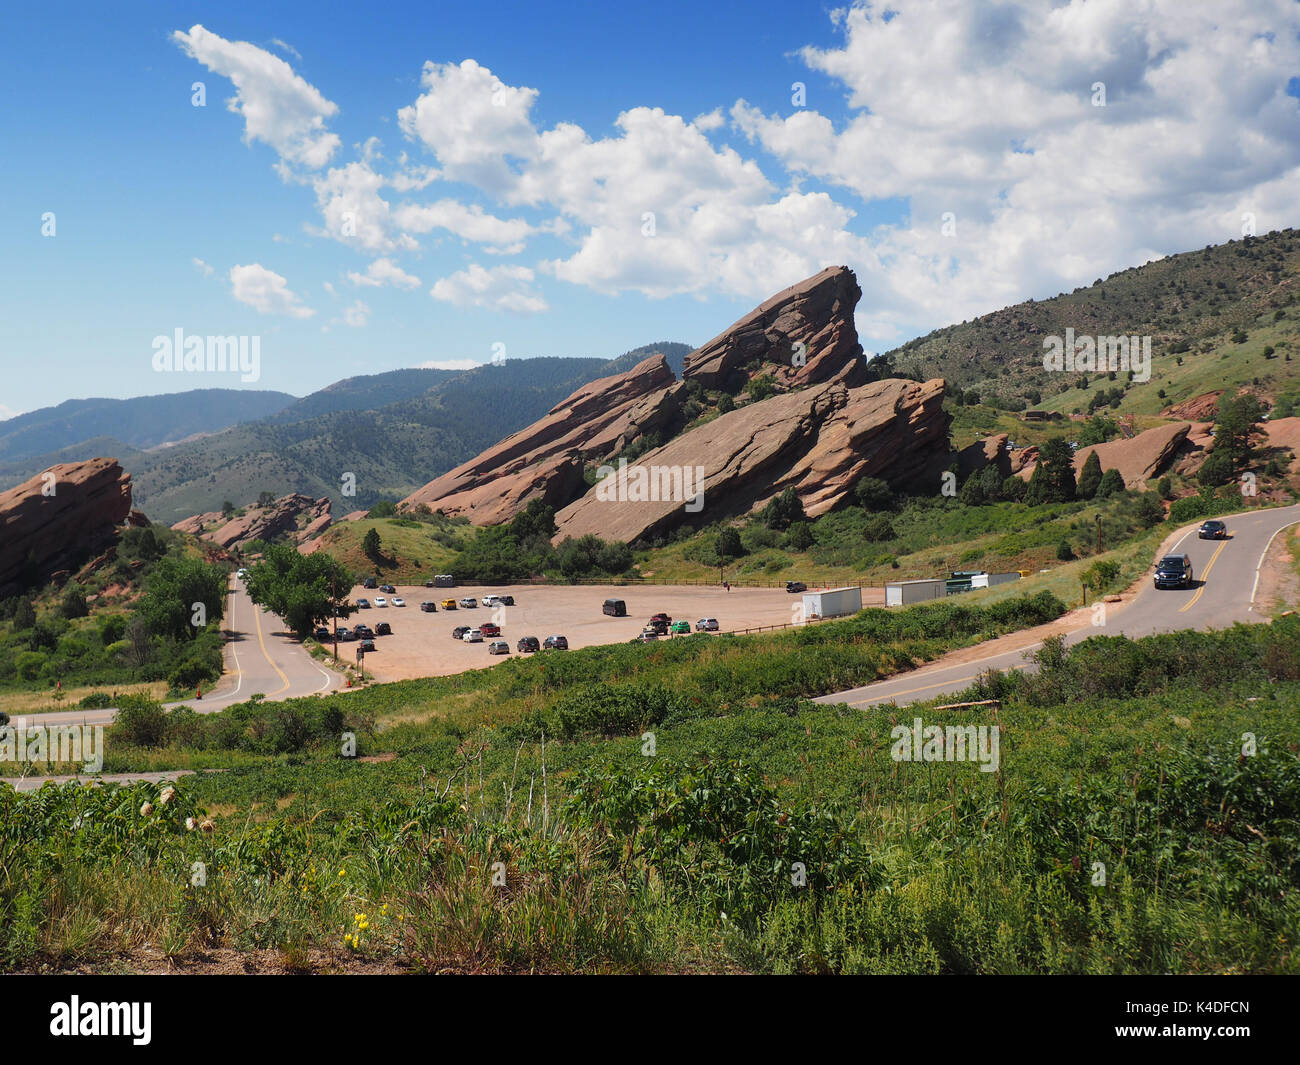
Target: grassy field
(696, 814)
(412, 551)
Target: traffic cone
(349, 682)
(200, 693)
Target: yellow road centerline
(257, 620)
(1205, 578)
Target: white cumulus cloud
(498, 288)
(266, 291)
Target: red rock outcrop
(817, 313)
(1138, 460)
(50, 522)
(262, 523)
(545, 460)
(818, 441)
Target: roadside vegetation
(698, 814)
(150, 615)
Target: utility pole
(1099, 534)
(335, 609)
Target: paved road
(1226, 590)
(260, 657)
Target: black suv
(383, 629)
(507, 600)
(428, 607)
(459, 631)
(369, 582)
(1212, 530)
(528, 644)
(1174, 571)
(557, 643)
(795, 586)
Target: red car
(488, 628)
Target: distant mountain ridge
(142, 422)
(391, 431)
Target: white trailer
(836, 603)
(992, 580)
(903, 593)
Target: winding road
(260, 657)
(1226, 590)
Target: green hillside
(1212, 315)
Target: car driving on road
(1174, 571)
(1212, 530)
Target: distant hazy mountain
(143, 422)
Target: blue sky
(499, 164)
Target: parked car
(680, 627)
(362, 629)
(321, 633)
(490, 628)
(367, 644)
(658, 625)
(380, 601)
(615, 608)
(429, 583)
(387, 588)
(498, 647)
(449, 604)
(370, 582)
(650, 633)
(1212, 530)
(398, 601)
(795, 586)
(1174, 571)
(706, 625)
(492, 600)
(528, 644)
(507, 600)
(347, 635)
(661, 616)
(473, 636)
(383, 629)
(428, 607)
(363, 604)
(459, 631)
(556, 643)
(469, 602)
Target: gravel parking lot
(421, 644)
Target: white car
(380, 601)
(242, 574)
(492, 600)
(398, 601)
(469, 602)
(473, 636)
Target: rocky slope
(818, 441)
(301, 517)
(825, 427)
(58, 518)
(803, 335)
(546, 459)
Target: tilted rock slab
(817, 313)
(819, 441)
(41, 533)
(545, 460)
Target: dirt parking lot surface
(421, 643)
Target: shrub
(141, 721)
(1064, 552)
